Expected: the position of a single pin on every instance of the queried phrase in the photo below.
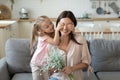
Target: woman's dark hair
(70, 15)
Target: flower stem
(71, 77)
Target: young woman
(73, 47)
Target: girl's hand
(52, 70)
(59, 27)
(67, 70)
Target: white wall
(52, 8)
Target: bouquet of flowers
(55, 60)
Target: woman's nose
(65, 27)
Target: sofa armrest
(4, 74)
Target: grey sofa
(15, 66)
(104, 54)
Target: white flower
(55, 60)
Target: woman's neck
(65, 40)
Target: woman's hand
(67, 70)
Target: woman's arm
(70, 69)
(79, 66)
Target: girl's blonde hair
(36, 30)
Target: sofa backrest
(18, 55)
(105, 54)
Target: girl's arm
(56, 39)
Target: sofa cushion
(105, 54)
(22, 76)
(109, 75)
(18, 55)
(91, 76)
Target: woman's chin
(65, 34)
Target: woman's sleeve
(84, 49)
(86, 58)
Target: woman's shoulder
(79, 38)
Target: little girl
(43, 31)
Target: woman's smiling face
(67, 26)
